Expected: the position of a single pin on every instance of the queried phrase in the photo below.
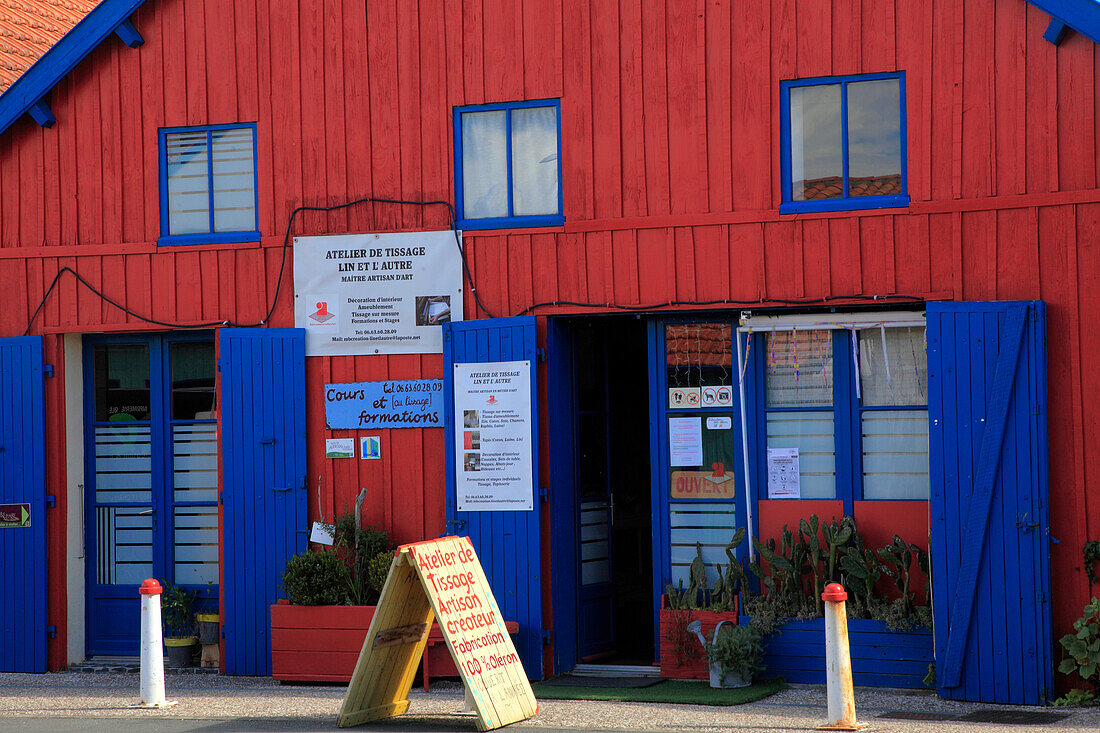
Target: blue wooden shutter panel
(23, 481)
(263, 448)
(989, 541)
(507, 543)
(977, 521)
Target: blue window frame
(508, 165)
(208, 184)
(843, 143)
(860, 433)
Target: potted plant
(209, 637)
(317, 632)
(177, 615)
(681, 656)
(733, 653)
(888, 631)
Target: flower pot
(317, 643)
(880, 657)
(209, 628)
(180, 650)
(681, 656)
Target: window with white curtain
(852, 402)
(798, 387)
(508, 165)
(893, 377)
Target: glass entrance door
(151, 470)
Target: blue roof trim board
(29, 89)
(1082, 16)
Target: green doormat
(687, 692)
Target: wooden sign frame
(438, 579)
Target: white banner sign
(494, 437)
(376, 293)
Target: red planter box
(682, 655)
(322, 643)
(317, 643)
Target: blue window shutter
(263, 451)
(989, 523)
(507, 543)
(23, 481)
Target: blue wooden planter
(880, 657)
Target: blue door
(263, 411)
(989, 545)
(151, 486)
(22, 506)
(507, 542)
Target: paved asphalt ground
(70, 702)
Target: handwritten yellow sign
(438, 580)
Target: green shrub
(345, 574)
(357, 547)
(1081, 654)
(315, 579)
(177, 611)
(377, 570)
(736, 649)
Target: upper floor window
(208, 184)
(508, 165)
(843, 143)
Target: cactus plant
(794, 568)
(898, 558)
(836, 535)
(698, 596)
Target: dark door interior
(613, 479)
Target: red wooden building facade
(671, 188)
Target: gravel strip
(214, 697)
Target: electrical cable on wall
(466, 274)
(728, 303)
(278, 281)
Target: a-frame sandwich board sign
(438, 579)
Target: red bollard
(838, 662)
(152, 653)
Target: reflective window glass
(874, 138)
(192, 369)
(121, 382)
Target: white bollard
(838, 662)
(152, 649)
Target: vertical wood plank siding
(670, 118)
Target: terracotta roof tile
(28, 28)
(833, 187)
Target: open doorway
(613, 506)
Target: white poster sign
(783, 480)
(321, 534)
(376, 293)
(494, 437)
(339, 447)
(685, 441)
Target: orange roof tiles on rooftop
(29, 28)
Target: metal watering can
(717, 679)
